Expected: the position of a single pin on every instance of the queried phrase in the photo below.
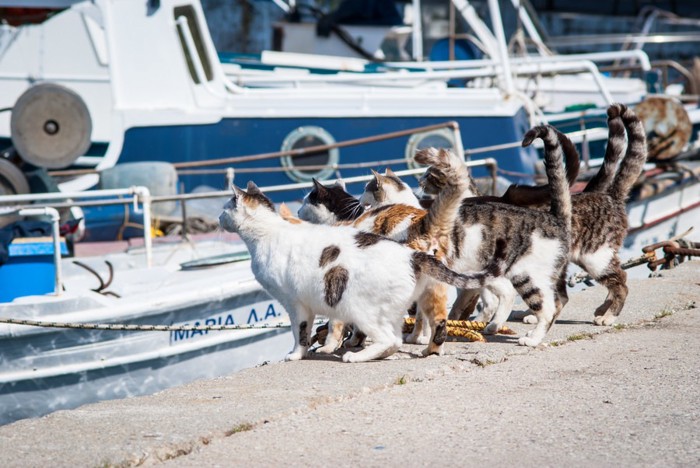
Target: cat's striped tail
(561, 198)
(616, 146)
(455, 181)
(526, 195)
(424, 263)
(635, 157)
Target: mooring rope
(145, 327)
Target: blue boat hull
(238, 137)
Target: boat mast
(497, 25)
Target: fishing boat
(168, 313)
(143, 82)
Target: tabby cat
(339, 272)
(599, 219)
(537, 252)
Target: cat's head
(329, 205)
(244, 204)
(387, 189)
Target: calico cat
(339, 272)
(387, 189)
(537, 253)
(599, 219)
(407, 224)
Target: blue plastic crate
(29, 269)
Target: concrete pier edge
(321, 410)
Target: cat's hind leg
(433, 303)
(420, 333)
(615, 280)
(302, 320)
(528, 316)
(543, 300)
(489, 305)
(465, 304)
(604, 267)
(334, 337)
(386, 340)
(502, 289)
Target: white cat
(339, 272)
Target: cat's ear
(252, 188)
(377, 177)
(318, 185)
(389, 172)
(285, 212)
(287, 215)
(237, 191)
(340, 183)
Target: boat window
(318, 164)
(188, 12)
(441, 138)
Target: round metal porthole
(305, 137)
(440, 138)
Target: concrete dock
(627, 395)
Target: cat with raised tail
(599, 218)
(537, 252)
(339, 272)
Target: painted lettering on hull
(256, 313)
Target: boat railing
(185, 167)
(483, 69)
(48, 204)
(691, 89)
(208, 166)
(11, 204)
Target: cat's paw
(294, 356)
(413, 338)
(433, 349)
(528, 341)
(531, 319)
(492, 328)
(351, 357)
(604, 320)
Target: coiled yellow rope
(461, 328)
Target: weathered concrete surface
(619, 396)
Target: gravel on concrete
(625, 395)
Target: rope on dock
(145, 327)
(461, 328)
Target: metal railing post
(56, 237)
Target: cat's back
(393, 221)
(505, 220)
(597, 219)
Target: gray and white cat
(537, 252)
(599, 219)
(339, 272)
